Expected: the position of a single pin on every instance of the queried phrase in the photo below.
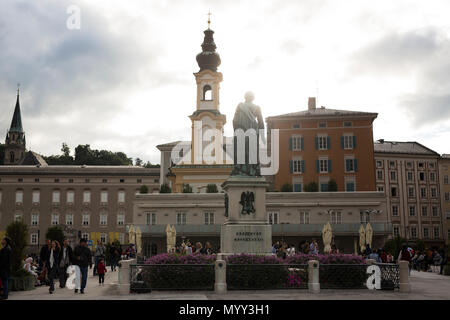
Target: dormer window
(207, 92)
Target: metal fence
(390, 276)
(147, 277)
(267, 276)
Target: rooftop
(323, 112)
(408, 147)
(79, 170)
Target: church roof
(33, 159)
(208, 59)
(16, 123)
(408, 147)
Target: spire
(16, 123)
(208, 58)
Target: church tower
(15, 138)
(207, 116)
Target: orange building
(320, 144)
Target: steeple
(208, 58)
(16, 123)
(15, 138)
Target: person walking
(101, 270)
(99, 254)
(65, 260)
(314, 247)
(52, 264)
(444, 257)
(437, 261)
(82, 258)
(5, 266)
(44, 253)
(405, 255)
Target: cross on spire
(209, 18)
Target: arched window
(11, 156)
(207, 93)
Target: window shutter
(355, 163)
(303, 166)
(291, 166)
(316, 140)
(302, 141)
(317, 166)
(328, 143)
(354, 142)
(290, 143)
(329, 165)
(342, 142)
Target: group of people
(187, 247)
(282, 249)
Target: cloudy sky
(124, 81)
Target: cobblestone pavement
(424, 285)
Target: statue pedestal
(246, 232)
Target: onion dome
(208, 58)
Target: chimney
(312, 103)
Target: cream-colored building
(444, 176)
(407, 172)
(295, 217)
(95, 202)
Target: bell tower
(15, 138)
(207, 121)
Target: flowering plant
(173, 258)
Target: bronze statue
(247, 116)
(247, 202)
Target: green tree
(65, 150)
(18, 233)
(138, 162)
(55, 233)
(187, 188)
(211, 188)
(165, 188)
(287, 187)
(332, 186)
(420, 245)
(312, 187)
(149, 165)
(394, 246)
(143, 189)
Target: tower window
(207, 92)
(11, 156)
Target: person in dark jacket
(5, 265)
(44, 253)
(51, 262)
(65, 260)
(82, 258)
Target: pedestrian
(82, 258)
(368, 251)
(99, 254)
(198, 247)
(444, 259)
(188, 248)
(383, 256)
(65, 260)
(437, 260)
(389, 258)
(405, 255)
(44, 253)
(101, 270)
(314, 247)
(52, 264)
(375, 256)
(5, 266)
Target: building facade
(407, 172)
(294, 217)
(444, 176)
(321, 144)
(94, 202)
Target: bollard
(403, 267)
(220, 286)
(313, 276)
(124, 278)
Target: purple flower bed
(296, 259)
(170, 258)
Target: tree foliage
(394, 246)
(143, 189)
(187, 188)
(287, 187)
(165, 188)
(18, 233)
(211, 188)
(55, 233)
(332, 186)
(312, 187)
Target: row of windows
(425, 232)
(335, 217)
(322, 142)
(70, 196)
(323, 124)
(412, 211)
(58, 180)
(69, 217)
(34, 238)
(411, 192)
(409, 164)
(323, 165)
(409, 176)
